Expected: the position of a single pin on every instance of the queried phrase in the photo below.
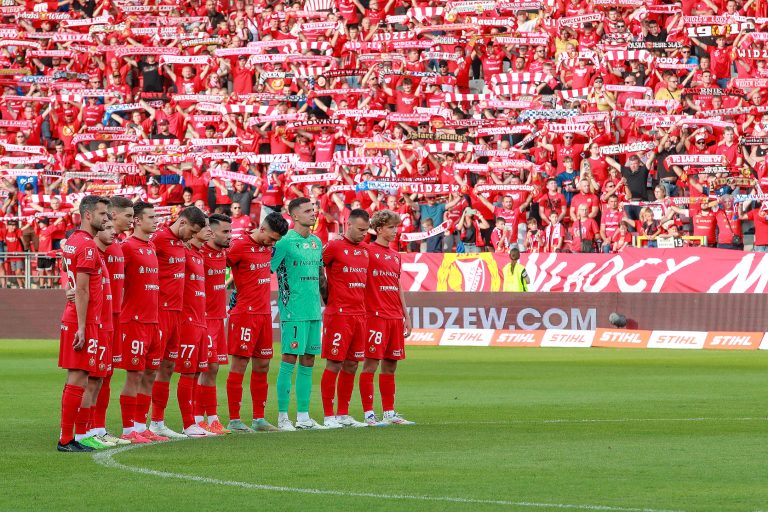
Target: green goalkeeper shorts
(300, 338)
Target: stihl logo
(568, 338)
(422, 336)
(465, 336)
(511, 337)
(732, 341)
(621, 337)
(677, 340)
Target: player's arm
(277, 256)
(82, 298)
(406, 315)
(323, 285)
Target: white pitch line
(616, 420)
(106, 458)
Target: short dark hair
(120, 202)
(88, 204)
(194, 216)
(140, 206)
(297, 203)
(188, 189)
(218, 218)
(277, 222)
(359, 213)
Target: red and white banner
(601, 338)
(682, 270)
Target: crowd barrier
(30, 314)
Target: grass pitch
(498, 429)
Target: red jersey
(82, 256)
(193, 309)
(116, 266)
(241, 226)
(141, 292)
(171, 256)
(106, 293)
(382, 295)
(250, 269)
(215, 262)
(346, 265)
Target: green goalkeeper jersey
(297, 261)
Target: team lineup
(155, 303)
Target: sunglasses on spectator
(235, 207)
(568, 136)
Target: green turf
(494, 424)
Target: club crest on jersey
(135, 361)
(187, 364)
(102, 366)
(294, 344)
(335, 351)
(243, 347)
(92, 362)
(314, 245)
(372, 349)
(89, 254)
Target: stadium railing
(30, 276)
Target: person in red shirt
(121, 212)
(705, 224)
(758, 215)
(192, 357)
(250, 320)
(79, 341)
(552, 201)
(584, 231)
(45, 231)
(729, 232)
(388, 321)
(586, 197)
(215, 352)
(171, 256)
(141, 349)
(344, 333)
(241, 224)
(14, 243)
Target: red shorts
(140, 346)
(104, 359)
(250, 336)
(170, 331)
(344, 337)
(193, 349)
(385, 339)
(217, 342)
(87, 358)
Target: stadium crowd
(558, 126)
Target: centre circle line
(106, 458)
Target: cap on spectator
(700, 136)
(153, 181)
(163, 121)
(69, 112)
(367, 171)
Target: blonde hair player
(388, 321)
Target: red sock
(366, 390)
(235, 394)
(185, 393)
(207, 399)
(198, 407)
(328, 391)
(142, 408)
(127, 410)
(71, 398)
(81, 420)
(160, 391)
(344, 391)
(387, 390)
(102, 402)
(259, 389)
